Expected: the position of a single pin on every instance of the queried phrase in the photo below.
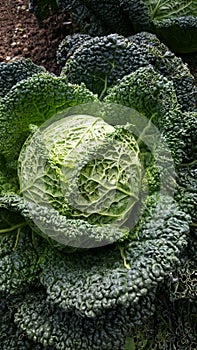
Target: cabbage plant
(90, 175)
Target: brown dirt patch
(20, 35)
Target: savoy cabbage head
(92, 174)
(76, 162)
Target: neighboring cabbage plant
(174, 21)
(101, 62)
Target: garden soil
(20, 35)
